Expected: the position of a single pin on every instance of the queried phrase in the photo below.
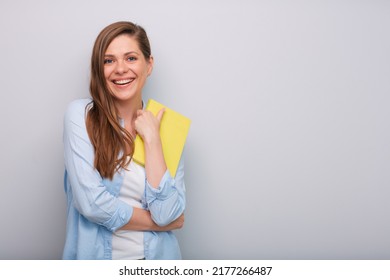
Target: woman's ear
(150, 66)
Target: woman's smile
(123, 81)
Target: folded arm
(142, 220)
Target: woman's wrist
(152, 139)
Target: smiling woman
(111, 200)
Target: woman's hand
(148, 126)
(176, 224)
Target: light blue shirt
(93, 208)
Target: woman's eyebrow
(131, 52)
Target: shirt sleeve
(167, 202)
(90, 196)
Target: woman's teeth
(123, 82)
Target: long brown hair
(112, 143)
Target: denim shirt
(94, 211)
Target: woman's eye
(131, 58)
(108, 61)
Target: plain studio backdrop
(288, 153)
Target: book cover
(174, 129)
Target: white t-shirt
(127, 244)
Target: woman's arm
(165, 196)
(142, 220)
(84, 185)
(148, 127)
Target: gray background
(288, 154)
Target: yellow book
(174, 129)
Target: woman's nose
(121, 67)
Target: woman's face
(126, 68)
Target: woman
(117, 209)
